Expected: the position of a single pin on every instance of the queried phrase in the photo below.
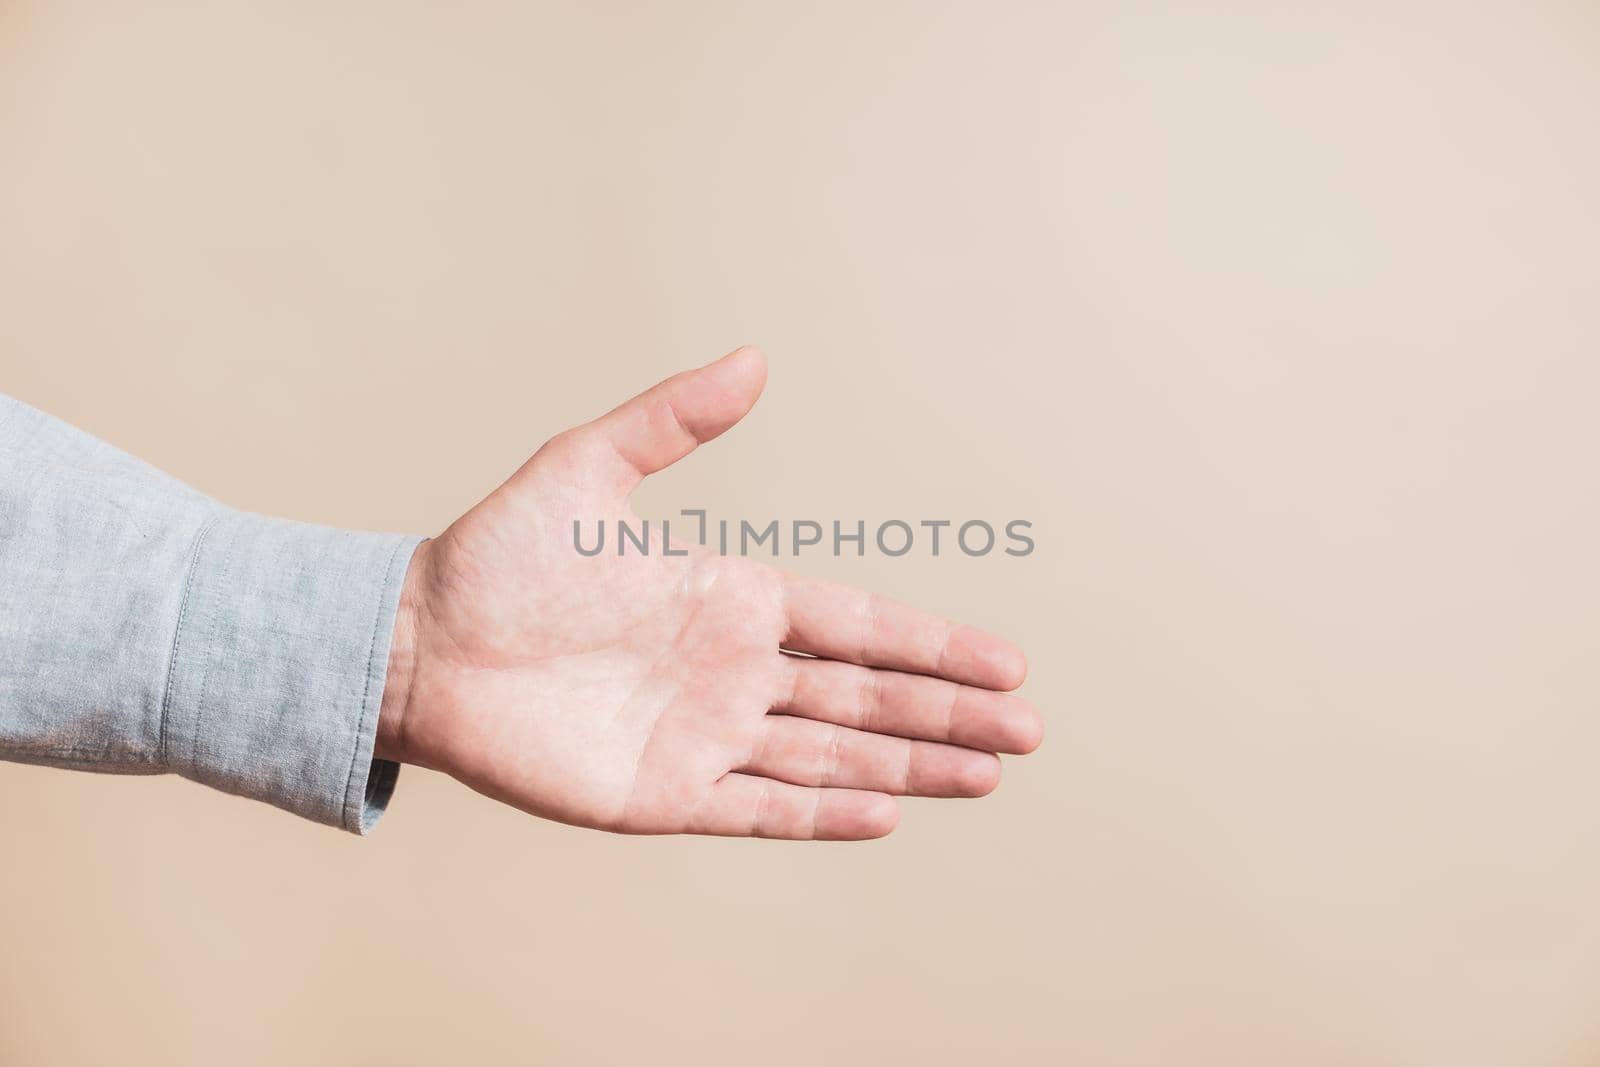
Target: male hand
(660, 694)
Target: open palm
(653, 693)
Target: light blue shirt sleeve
(147, 629)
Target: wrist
(399, 681)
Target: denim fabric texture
(147, 629)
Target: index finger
(839, 622)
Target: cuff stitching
(354, 824)
(177, 632)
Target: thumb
(669, 420)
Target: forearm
(145, 628)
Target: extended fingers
(744, 805)
(809, 753)
(841, 623)
(910, 705)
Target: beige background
(1278, 320)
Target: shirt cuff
(278, 665)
